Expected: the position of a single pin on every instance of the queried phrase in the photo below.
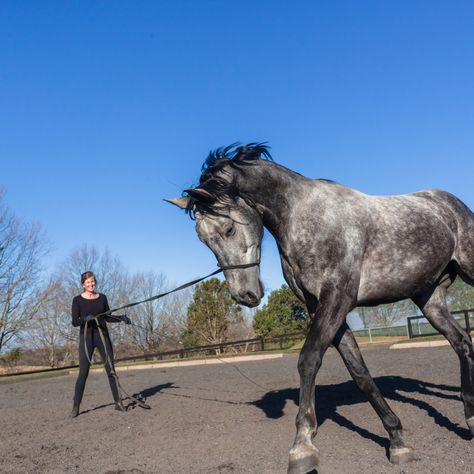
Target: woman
(85, 307)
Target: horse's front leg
(326, 320)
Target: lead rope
(122, 392)
(261, 387)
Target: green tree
(210, 314)
(12, 358)
(282, 314)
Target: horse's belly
(387, 288)
(392, 274)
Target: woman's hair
(86, 275)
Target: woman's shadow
(330, 397)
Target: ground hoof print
(401, 455)
(303, 459)
(470, 423)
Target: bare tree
(50, 330)
(21, 250)
(146, 317)
(242, 328)
(173, 319)
(109, 271)
(159, 321)
(386, 314)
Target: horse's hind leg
(347, 347)
(434, 307)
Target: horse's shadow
(151, 391)
(147, 393)
(330, 397)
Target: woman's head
(88, 281)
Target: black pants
(92, 341)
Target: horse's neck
(275, 191)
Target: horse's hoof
(401, 455)
(470, 423)
(304, 458)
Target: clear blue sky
(108, 107)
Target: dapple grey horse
(339, 249)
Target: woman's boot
(120, 406)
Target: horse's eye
(229, 231)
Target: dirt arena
(213, 419)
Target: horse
(339, 249)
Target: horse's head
(233, 231)
(226, 222)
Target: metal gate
(419, 326)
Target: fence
(418, 326)
(381, 332)
(256, 344)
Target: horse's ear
(181, 202)
(200, 194)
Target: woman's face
(89, 284)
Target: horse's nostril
(250, 297)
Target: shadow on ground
(330, 397)
(147, 393)
(141, 396)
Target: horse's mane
(236, 154)
(217, 177)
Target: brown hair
(86, 275)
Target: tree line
(35, 307)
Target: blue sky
(106, 107)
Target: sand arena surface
(211, 419)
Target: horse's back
(440, 207)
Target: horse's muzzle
(248, 298)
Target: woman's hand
(125, 319)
